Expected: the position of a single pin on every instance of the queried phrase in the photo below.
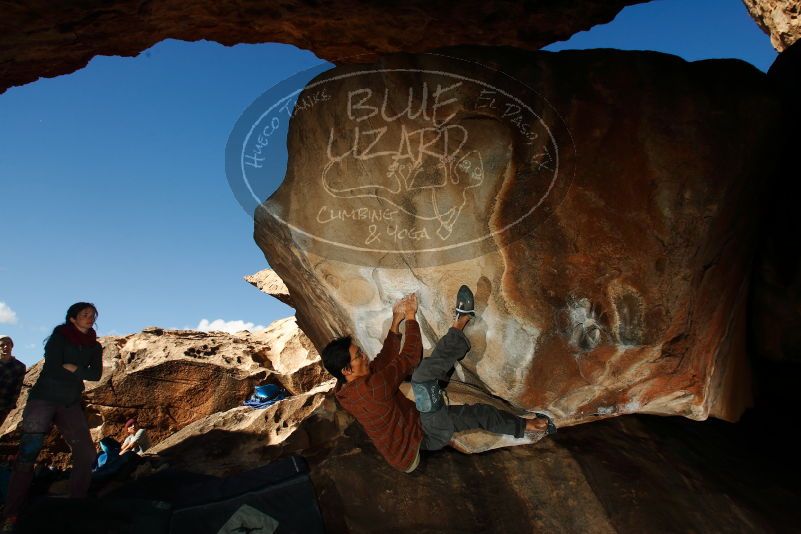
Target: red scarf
(76, 337)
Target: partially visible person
(12, 372)
(72, 355)
(114, 458)
(136, 440)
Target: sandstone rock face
(602, 209)
(781, 19)
(227, 442)
(267, 281)
(776, 298)
(625, 475)
(170, 379)
(38, 39)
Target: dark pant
(439, 426)
(37, 419)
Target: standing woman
(72, 355)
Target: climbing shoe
(465, 303)
(551, 426)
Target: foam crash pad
(278, 496)
(95, 516)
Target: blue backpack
(266, 395)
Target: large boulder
(268, 282)
(601, 204)
(775, 304)
(40, 39)
(230, 441)
(776, 296)
(623, 475)
(170, 379)
(781, 19)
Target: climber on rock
(398, 427)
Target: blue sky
(113, 187)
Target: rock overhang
(626, 295)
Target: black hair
(72, 313)
(336, 357)
(78, 307)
